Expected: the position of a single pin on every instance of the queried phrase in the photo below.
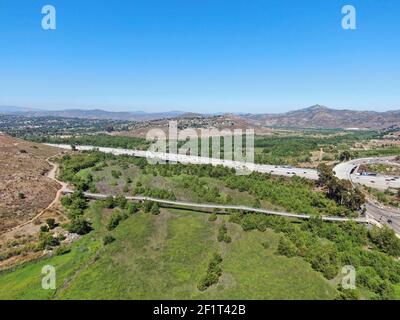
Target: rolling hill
(323, 117)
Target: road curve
(345, 170)
(376, 213)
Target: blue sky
(256, 56)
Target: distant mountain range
(313, 117)
(323, 117)
(90, 114)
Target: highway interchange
(376, 213)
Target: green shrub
(214, 271)
(47, 241)
(51, 223)
(108, 239)
(286, 247)
(62, 250)
(155, 210)
(115, 219)
(80, 226)
(223, 234)
(44, 228)
(386, 240)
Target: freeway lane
(342, 170)
(376, 213)
(383, 216)
(182, 158)
(381, 182)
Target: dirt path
(64, 186)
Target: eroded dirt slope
(24, 188)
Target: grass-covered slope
(164, 257)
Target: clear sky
(256, 56)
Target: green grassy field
(163, 257)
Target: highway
(221, 207)
(185, 159)
(376, 214)
(381, 182)
(342, 170)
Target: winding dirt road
(52, 174)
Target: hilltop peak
(317, 107)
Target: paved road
(379, 215)
(381, 182)
(342, 170)
(222, 207)
(375, 214)
(275, 170)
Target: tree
(109, 202)
(51, 223)
(340, 190)
(80, 226)
(147, 205)
(325, 174)
(347, 294)
(115, 219)
(132, 208)
(44, 229)
(66, 201)
(120, 201)
(214, 271)
(345, 156)
(47, 241)
(385, 240)
(155, 210)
